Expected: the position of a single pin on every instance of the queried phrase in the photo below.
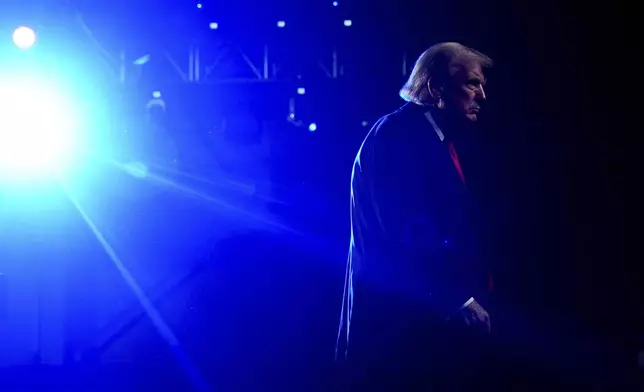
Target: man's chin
(473, 117)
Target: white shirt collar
(437, 129)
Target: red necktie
(457, 165)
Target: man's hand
(475, 316)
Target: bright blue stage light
(24, 37)
(313, 127)
(38, 130)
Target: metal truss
(214, 62)
(224, 64)
(204, 61)
(228, 64)
(221, 62)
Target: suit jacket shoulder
(398, 136)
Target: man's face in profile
(464, 95)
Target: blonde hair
(439, 63)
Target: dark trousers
(451, 365)
(396, 346)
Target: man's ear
(436, 92)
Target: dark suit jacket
(414, 255)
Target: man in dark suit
(413, 310)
